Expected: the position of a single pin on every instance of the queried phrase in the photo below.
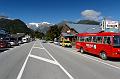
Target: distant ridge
(40, 27)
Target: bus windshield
(116, 40)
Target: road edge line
(108, 64)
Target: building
(69, 30)
(82, 28)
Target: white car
(56, 43)
(24, 40)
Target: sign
(111, 22)
(91, 46)
(68, 31)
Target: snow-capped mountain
(41, 27)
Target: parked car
(50, 41)
(7, 40)
(14, 42)
(66, 43)
(56, 43)
(25, 40)
(44, 41)
(60, 43)
(20, 40)
(3, 45)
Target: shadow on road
(114, 59)
(2, 50)
(109, 59)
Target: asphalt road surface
(37, 60)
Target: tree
(39, 35)
(53, 32)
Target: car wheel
(103, 55)
(9, 45)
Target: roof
(66, 34)
(98, 34)
(18, 35)
(81, 28)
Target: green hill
(91, 22)
(14, 26)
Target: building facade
(69, 30)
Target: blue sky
(55, 11)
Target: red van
(104, 44)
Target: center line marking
(44, 59)
(66, 72)
(38, 47)
(23, 67)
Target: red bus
(103, 44)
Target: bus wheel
(81, 50)
(103, 55)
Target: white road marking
(38, 47)
(23, 67)
(44, 59)
(67, 73)
(113, 66)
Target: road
(37, 60)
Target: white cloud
(91, 14)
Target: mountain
(64, 22)
(91, 22)
(40, 27)
(14, 26)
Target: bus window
(116, 40)
(99, 39)
(106, 40)
(81, 39)
(94, 39)
(88, 39)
